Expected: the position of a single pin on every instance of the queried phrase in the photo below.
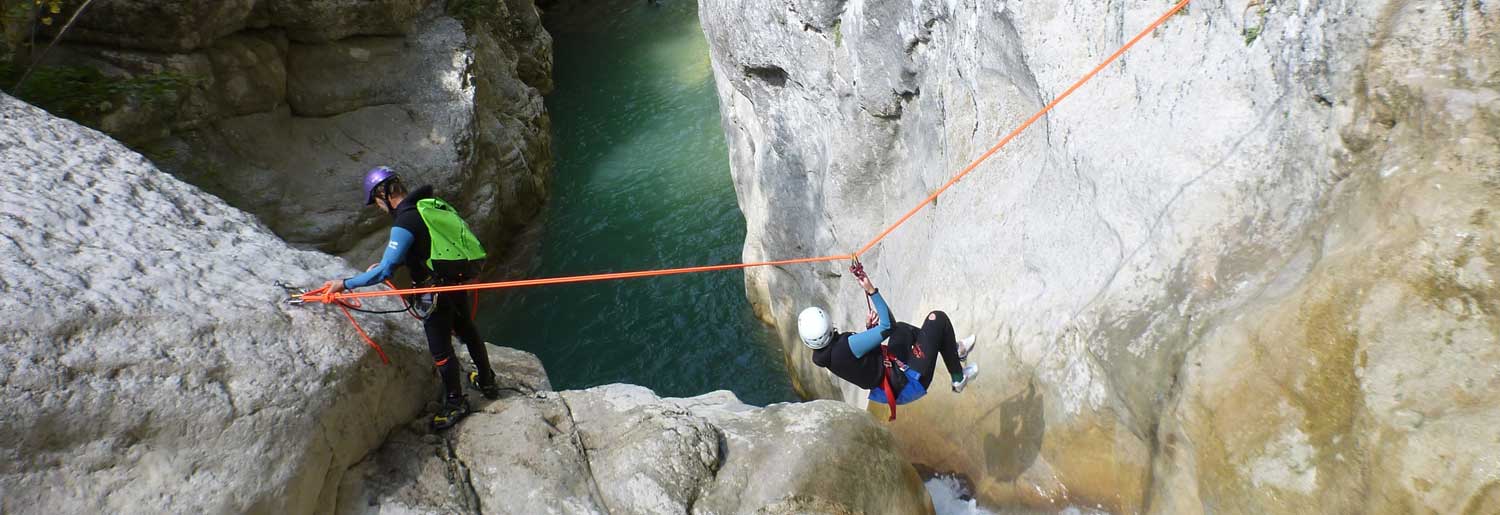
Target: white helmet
(814, 328)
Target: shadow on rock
(1013, 446)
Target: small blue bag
(911, 392)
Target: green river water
(642, 182)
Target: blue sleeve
(395, 254)
(864, 342)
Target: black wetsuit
(935, 338)
(451, 311)
(864, 371)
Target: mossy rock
(85, 94)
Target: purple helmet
(373, 178)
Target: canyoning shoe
(449, 413)
(488, 389)
(965, 346)
(969, 372)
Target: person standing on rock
(899, 372)
(437, 248)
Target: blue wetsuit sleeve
(864, 342)
(395, 254)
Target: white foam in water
(950, 498)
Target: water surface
(642, 182)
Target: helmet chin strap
(384, 196)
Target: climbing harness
(909, 379)
(911, 389)
(342, 299)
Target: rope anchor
(298, 297)
(294, 293)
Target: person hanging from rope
(437, 248)
(895, 373)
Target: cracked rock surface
(620, 449)
(1248, 268)
(149, 363)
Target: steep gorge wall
(279, 106)
(1248, 268)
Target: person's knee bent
(936, 316)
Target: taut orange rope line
(1039, 114)
(315, 296)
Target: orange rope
(362, 334)
(344, 306)
(1006, 140)
(318, 296)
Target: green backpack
(456, 255)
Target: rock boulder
(150, 362)
(621, 449)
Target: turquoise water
(642, 182)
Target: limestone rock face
(279, 106)
(621, 449)
(1380, 370)
(150, 363)
(518, 455)
(186, 25)
(1241, 270)
(169, 25)
(328, 20)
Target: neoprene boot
(450, 412)
(488, 389)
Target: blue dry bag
(911, 392)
